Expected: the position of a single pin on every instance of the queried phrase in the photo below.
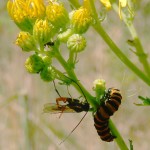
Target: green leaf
(145, 101)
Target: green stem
(90, 99)
(139, 49)
(75, 3)
(97, 26)
(71, 74)
(120, 54)
(117, 51)
(119, 140)
(76, 84)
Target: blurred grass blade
(8, 100)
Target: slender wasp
(69, 105)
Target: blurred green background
(23, 126)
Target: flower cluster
(44, 23)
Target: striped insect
(110, 104)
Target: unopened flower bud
(43, 31)
(76, 43)
(26, 41)
(48, 74)
(81, 20)
(57, 15)
(34, 64)
(47, 60)
(99, 87)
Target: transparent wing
(53, 108)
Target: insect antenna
(83, 115)
(73, 129)
(69, 92)
(78, 86)
(56, 89)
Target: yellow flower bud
(17, 9)
(99, 84)
(34, 64)
(81, 20)
(76, 43)
(26, 41)
(99, 88)
(43, 31)
(57, 15)
(106, 3)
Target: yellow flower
(25, 12)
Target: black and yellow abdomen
(103, 113)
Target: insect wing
(53, 108)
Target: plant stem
(90, 99)
(76, 82)
(97, 26)
(119, 138)
(142, 56)
(120, 54)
